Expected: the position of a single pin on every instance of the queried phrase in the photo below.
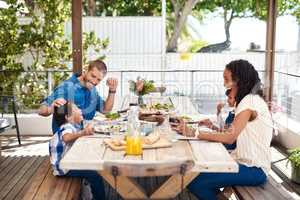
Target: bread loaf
(152, 138)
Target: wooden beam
(126, 187)
(270, 48)
(173, 186)
(77, 35)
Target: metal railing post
(49, 82)
(192, 84)
(121, 83)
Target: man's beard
(87, 83)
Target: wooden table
(89, 153)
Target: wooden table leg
(126, 187)
(172, 187)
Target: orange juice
(133, 145)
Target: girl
(69, 118)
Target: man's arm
(57, 98)
(109, 103)
(46, 110)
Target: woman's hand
(183, 129)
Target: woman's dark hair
(60, 113)
(246, 78)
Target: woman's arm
(226, 137)
(230, 135)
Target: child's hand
(88, 130)
(205, 122)
(219, 107)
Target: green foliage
(284, 7)
(10, 47)
(294, 156)
(90, 40)
(44, 39)
(197, 45)
(125, 8)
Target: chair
(8, 103)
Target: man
(80, 89)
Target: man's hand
(112, 84)
(88, 130)
(46, 110)
(59, 102)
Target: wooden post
(270, 49)
(77, 35)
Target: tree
(284, 7)
(122, 7)
(44, 38)
(181, 11)
(92, 7)
(229, 10)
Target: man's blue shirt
(87, 100)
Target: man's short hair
(99, 64)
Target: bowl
(147, 127)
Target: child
(69, 117)
(230, 93)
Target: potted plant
(141, 87)
(294, 158)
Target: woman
(251, 128)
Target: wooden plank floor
(16, 173)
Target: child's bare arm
(219, 107)
(70, 137)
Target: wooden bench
(30, 177)
(269, 191)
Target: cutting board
(161, 143)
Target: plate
(100, 119)
(107, 129)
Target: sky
(245, 31)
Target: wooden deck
(16, 173)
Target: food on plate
(164, 106)
(156, 108)
(112, 115)
(185, 118)
(152, 118)
(107, 128)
